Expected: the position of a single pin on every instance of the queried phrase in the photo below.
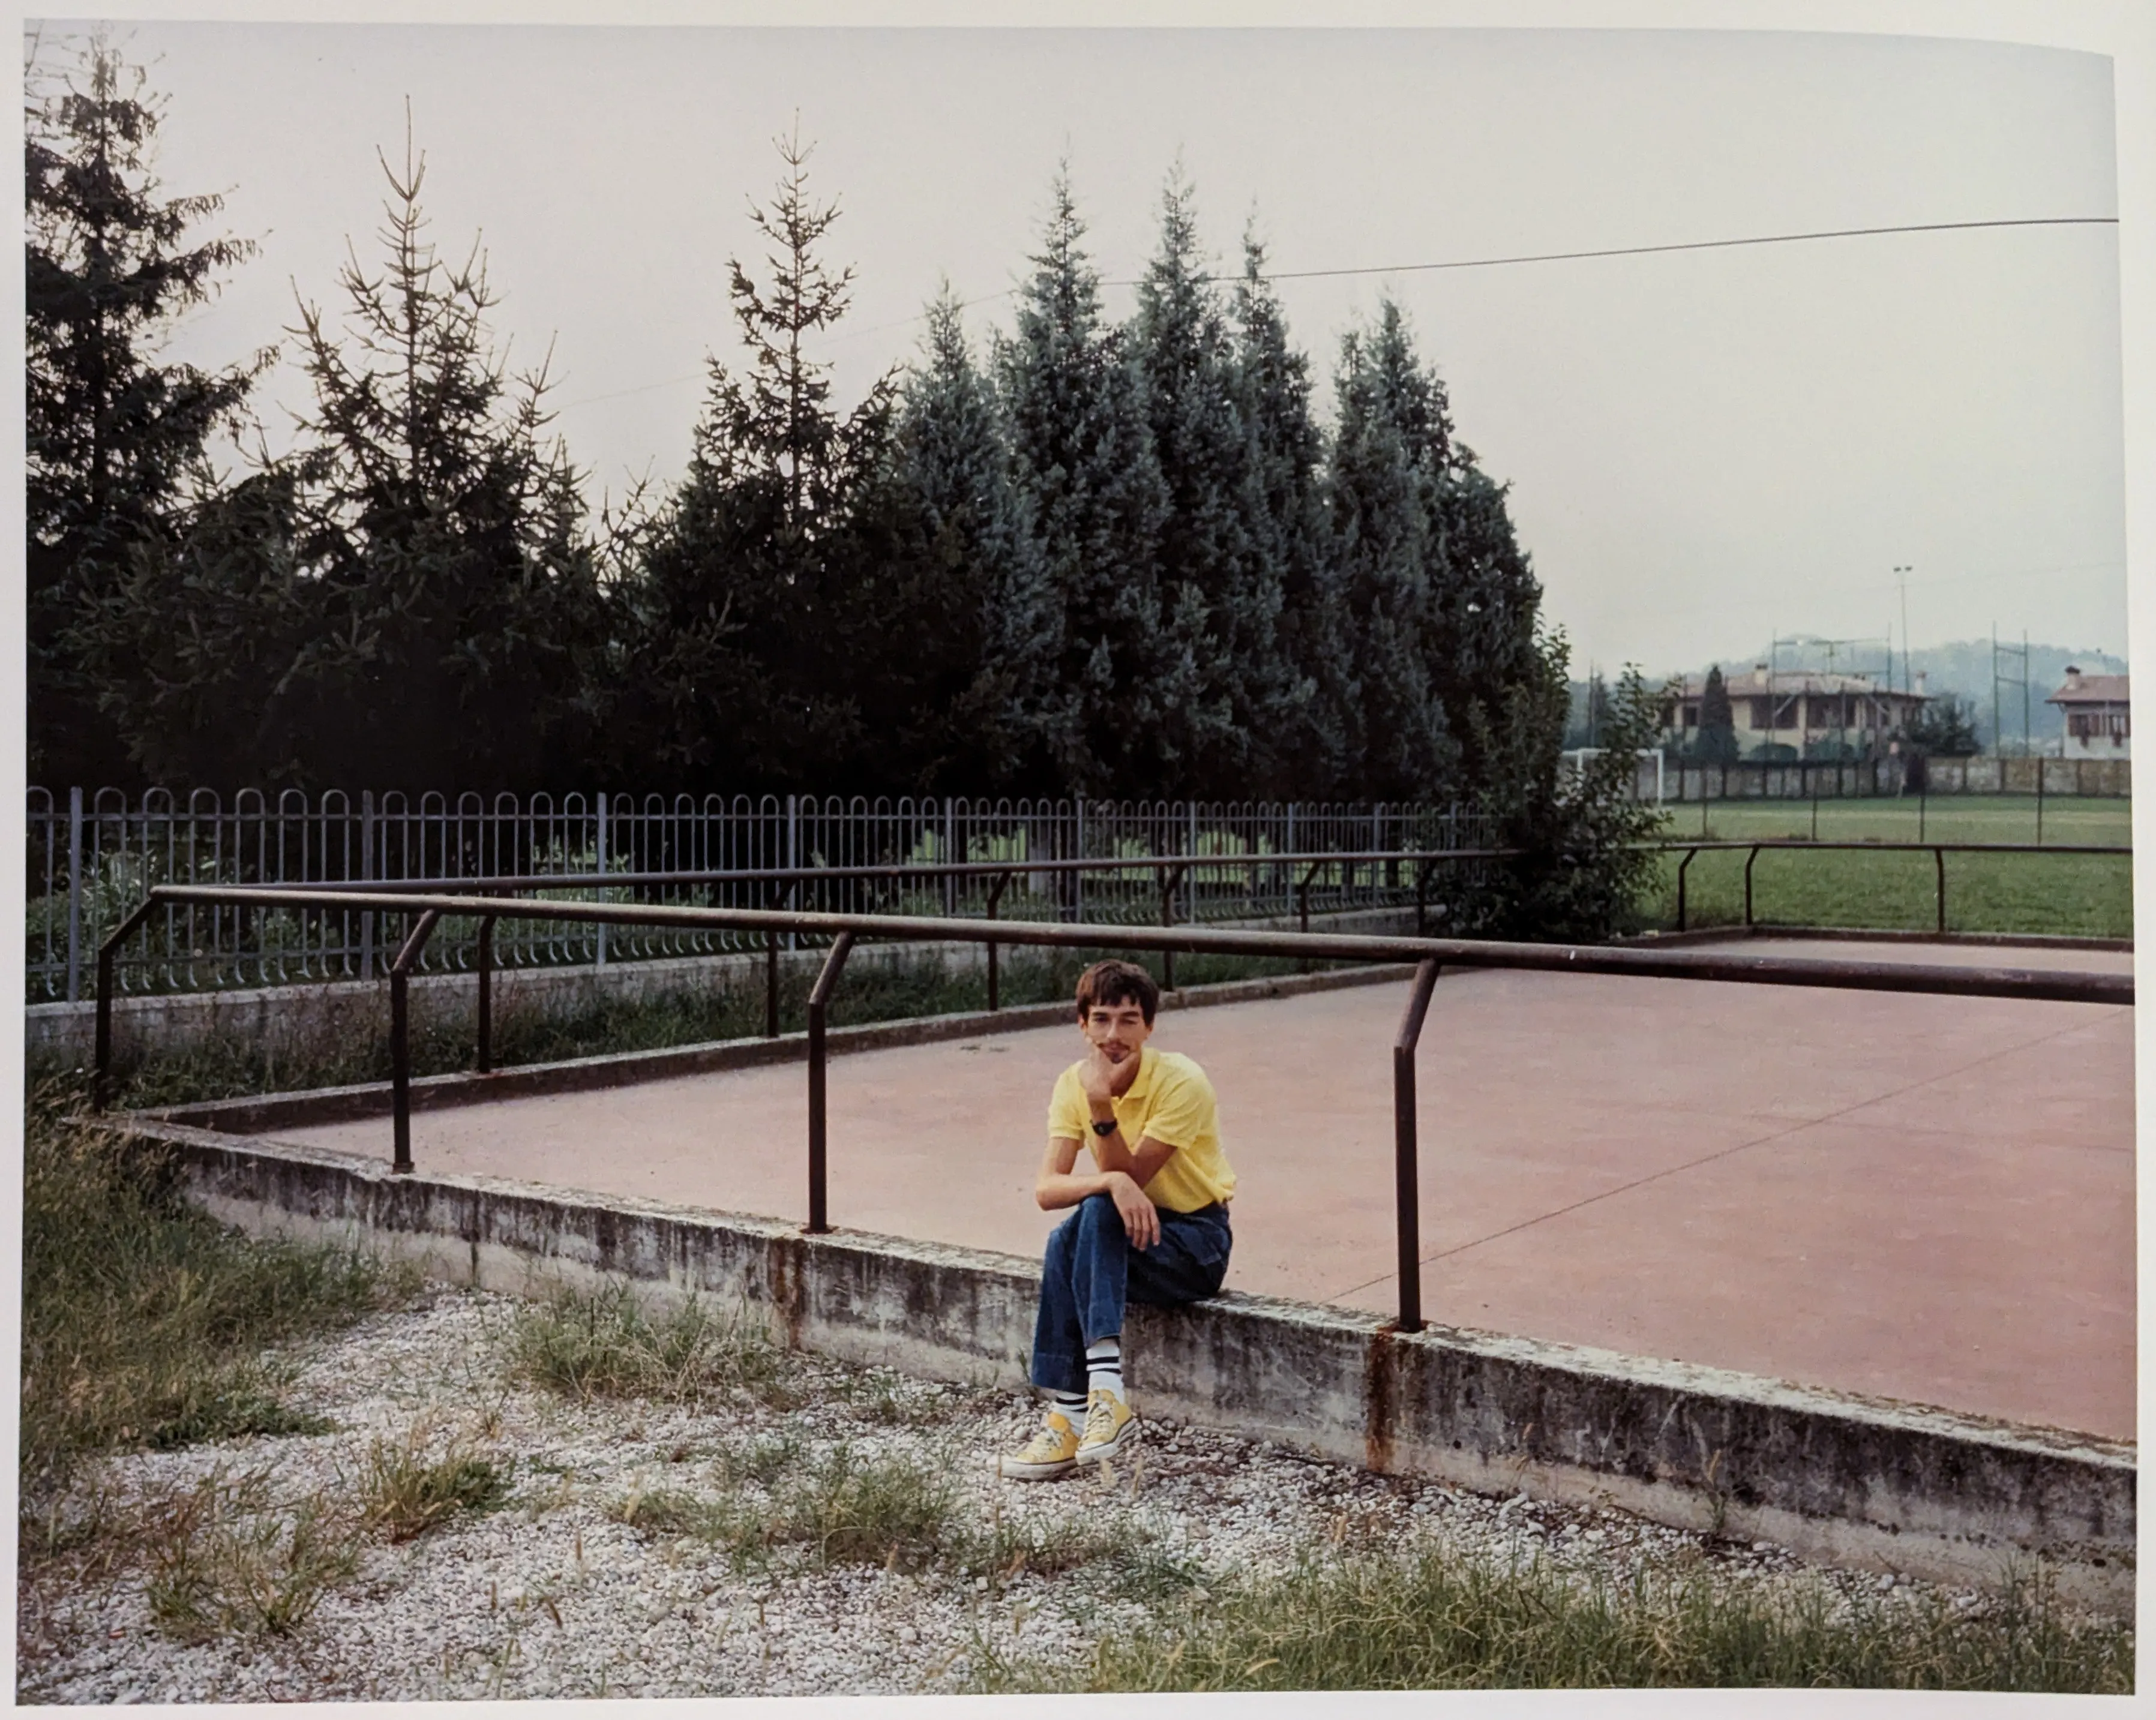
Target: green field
(2089, 895)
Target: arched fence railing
(93, 855)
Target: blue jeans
(1092, 1270)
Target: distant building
(1815, 715)
(2098, 725)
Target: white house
(2098, 722)
(1815, 715)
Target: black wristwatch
(1104, 1129)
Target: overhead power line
(1698, 244)
(1701, 244)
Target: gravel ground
(551, 1593)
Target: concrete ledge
(278, 1110)
(1853, 1480)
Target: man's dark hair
(1113, 981)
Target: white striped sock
(1104, 1365)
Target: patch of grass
(763, 1460)
(406, 1490)
(1433, 1620)
(2087, 896)
(605, 1343)
(143, 1319)
(220, 1560)
(845, 1508)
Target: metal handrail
(1938, 851)
(1428, 955)
(1172, 868)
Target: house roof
(1754, 682)
(2092, 690)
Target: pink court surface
(1920, 1197)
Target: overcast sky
(1704, 448)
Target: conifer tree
(1385, 484)
(1317, 717)
(1220, 595)
(759, 602)
(1083, 456)
(968, 633)
(408, 588)
(116, 441)
(1485, 608)
(1717, 722)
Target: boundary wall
(1754, 779)
(1863, 1482)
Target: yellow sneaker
(1052, 1452)
(1109, 1426)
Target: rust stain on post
(1380, 1396)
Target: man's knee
(1096, 1210)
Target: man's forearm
(1072, 1187)
(1112, 1153)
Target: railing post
(951, 857)
(1170, 877)
(601, 953)
(995, 898)
(367, 874)
(1078, 854)
(100, 1077)
(1406, 1191)
(486, 995)
(792, 850)
(400, 1042)
(1422, 898)
(74, 896)
(819, 998)
(1748, 860)
(1303, 895)
(1939, 861)
(1683, 865)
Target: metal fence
(839, 931)
(94, 856)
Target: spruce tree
(1385, 485)
(1717, 722)
(408, 588)
(1317, 719)
(1221, 595)
(968, 634)
(1486, 606)
(115, 441)
(1082, 456)
(759, 602)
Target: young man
(1151, 1223)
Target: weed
(893, 1511)
(760, 1461)
(143, 1319)
(406, 1491)
(221, 1560)
(1432, 1620)
(604, 1343)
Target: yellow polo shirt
(1172, 1101)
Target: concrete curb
(1853, 1480)
(298, 1110)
